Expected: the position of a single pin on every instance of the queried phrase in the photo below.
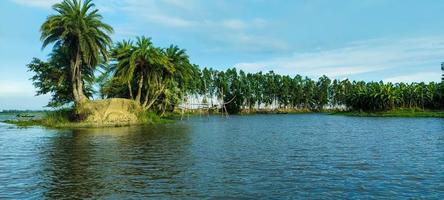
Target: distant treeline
(251, 90)
(271, 90)
(21, 111)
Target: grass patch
(147, 117)
(24, 123)
(64, 118)
(395, 113)
(55, 119)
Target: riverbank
(113, 112)
(62, 118)
(394, 113)
(50, 120)
(242, 111)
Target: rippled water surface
(260, 156)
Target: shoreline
(40, 123)
(405, 113)
(175, 116)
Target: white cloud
(103, 5)
(234, 24)
(16, 88)
(199, 21)
(162, 12)
(242, 41)
(37, 3)
(416, 77)
(192, 16)
(170, 20)
(16, 94)
(188, 4)
(357, 58)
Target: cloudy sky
(390, 40)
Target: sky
(370, 40)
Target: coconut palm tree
(144, 66)
(121, 55)
(78, 27)
(183, 68)
(187, 76)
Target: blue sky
(390, 40)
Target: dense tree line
(272, 91)
(160, 79)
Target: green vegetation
(64, 118)
(147, 117)
(395, 113)
(13, 111)
(140, 82)
(48, 118)
(81, 38)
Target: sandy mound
(109, 111)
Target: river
(312, 156)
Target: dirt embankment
(115, 111)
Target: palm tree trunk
(75, 94)
(76, 79)
(139, 90)
(82, 95)
(130, 90)
(147, 105)
(145, 101)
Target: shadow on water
(115, 162)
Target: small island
(95, 82)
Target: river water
(312, 156)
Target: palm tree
(183, 68)
(185, 75)
(78, 27)
(121, 54)
(150, 66)
(143, 65)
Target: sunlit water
(252, 157)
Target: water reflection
(115, 162)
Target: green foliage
(321, 97)
(77, 29)
(159, 79)
(379, 96)
(52, 77)
(148, 117)
(403, 112)
(57, 118)
(24, 123)
(233, 95)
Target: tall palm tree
(121, 54)
(148, 64)
(79, 28)
(180, 60)
(183, 69)
(143, 65)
